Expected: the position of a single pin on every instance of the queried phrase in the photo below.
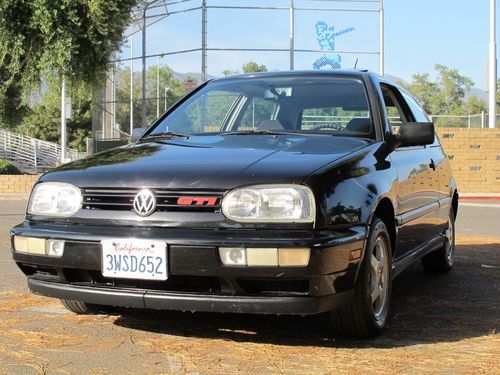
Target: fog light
(29, 245)
(233, 256)
(294, 257)
(262, 256)
(55, 248)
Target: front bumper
(197, 279)
(292, 305)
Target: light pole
(492, 67)
(63, 121)
(158, 87)
(143, 88)
(292, 36)
(131, 84)
(165, 96)
(382, 46)
(204, 40)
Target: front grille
(166, 200)
(274, 286)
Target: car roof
(304, 73)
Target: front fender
(348, 191)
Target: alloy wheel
(379, 277)
(449, 233)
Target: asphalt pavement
(475, 219)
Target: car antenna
(356, 63)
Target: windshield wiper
(167, 135)
(273, 132)
(253, 132)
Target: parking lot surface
(443, 324)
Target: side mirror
(137, 133)
(414, 134)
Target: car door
(417, 185)
(440, 162)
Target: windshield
(322, 105)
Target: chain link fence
(174, 45)
(479, 120)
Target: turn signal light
(294, 257)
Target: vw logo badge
(144, 203)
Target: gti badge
(144, 203)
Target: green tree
(253, 67)
(474, 105)
(249, 67)
(423, 89)
(229, 72)
(498, 91)
(42, 120)
(43, 39)
(445, 95)
(12, 108)
(173, 87)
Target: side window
(417, 111)
(257, 111)
(394, 111)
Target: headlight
(55, 199)
(270, 204)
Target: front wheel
(366, 316)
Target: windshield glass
(329, 105)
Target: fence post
(482, 119)
(292, 36)
(204, 41)
(87, 145)
(468, 120)
(35, 163)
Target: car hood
(207, 162)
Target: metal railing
(32, 155)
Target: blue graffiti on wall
(326, 39)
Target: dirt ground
(445, 324)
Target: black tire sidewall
(377, 228)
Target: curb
(479, 197)
(14, 197)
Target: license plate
(134, 259)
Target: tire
(441, 260)
(83, 308)
(366, 316)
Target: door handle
(432, 165)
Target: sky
(418, 35)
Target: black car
(275, 193)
